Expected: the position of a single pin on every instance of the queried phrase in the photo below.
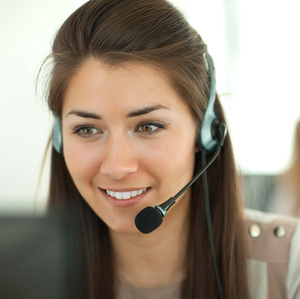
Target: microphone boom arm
(164, 207)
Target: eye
(150, 128)
(86, 132)
(147, 128)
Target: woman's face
(129, 141)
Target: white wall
(256, 52)
(267, 100)
(257, 61)
(26, 31)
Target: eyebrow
(135, 113)
(84, 114)
(145, 110)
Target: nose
(120, 159)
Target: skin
(126, 129)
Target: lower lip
(123, 203)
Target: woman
(129, 87)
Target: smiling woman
(133, 93)
(113, 153)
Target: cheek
(181, 149)
(81, 163)
(174, 159)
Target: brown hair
(150, 31)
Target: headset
(57, 141)
(207, 138)
(211, 137)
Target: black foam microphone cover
(148, 219)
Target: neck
(156, 259)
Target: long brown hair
(150, 31)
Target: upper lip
(124, 189)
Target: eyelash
(78, 130)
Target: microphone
(150, 218)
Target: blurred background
(255, 47)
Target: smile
(125, 195)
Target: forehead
(97, 84)
(96, 74)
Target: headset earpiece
(57, 141)
(208, 132)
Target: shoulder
(274, 254)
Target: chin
(130, 230)
(125, 226)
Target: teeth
(125, 195)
